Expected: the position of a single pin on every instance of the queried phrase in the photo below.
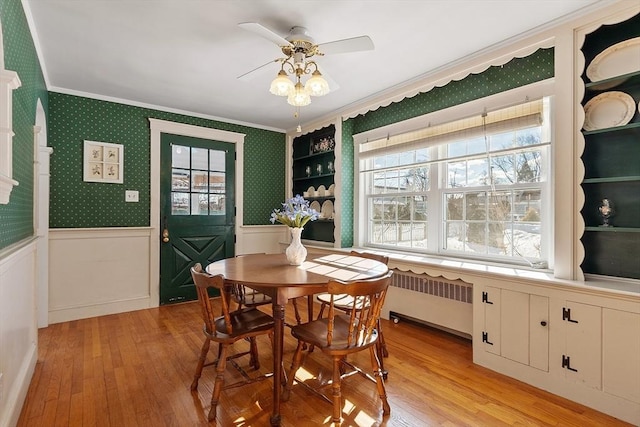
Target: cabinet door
(621, 354)
(539, 332)
(491, 334)
(583, 360)
(514, 337)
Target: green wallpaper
(79, 204)
(16, 218)
(517, 72)
(346, 204)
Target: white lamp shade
(281, 85)
(316, 85)
(299, 96)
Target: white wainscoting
(18, 330)
(93, 272)
(253, 239)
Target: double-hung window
(476, 187)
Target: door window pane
(198, 181)
(179, 203)
(180, 156)
(199, 158)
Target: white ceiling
(186, 55)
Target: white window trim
(537, 90)
(9, 81)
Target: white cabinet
(581, 359)
(580, 343)
(621, 354)
(516, 326)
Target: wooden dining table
(272, 275)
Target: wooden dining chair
(345, 303)
(247, 297)
(341, 334)
(226, 330)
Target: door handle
(165, 231)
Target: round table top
(274, 269)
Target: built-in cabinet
(602, 348)
(314, 170)
(583, 345)
(611, 132)
(516, 326)
(581, 330)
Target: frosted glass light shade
(281, 85)
(316, 85)
(299, 96)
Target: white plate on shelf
(332, 188)
(315, 205)
(312, 191)
(609, 109)
(617, 60)
(322, 191)
(327, 210)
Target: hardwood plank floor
(135, 369)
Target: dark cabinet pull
(543, 323)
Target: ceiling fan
(299, 47)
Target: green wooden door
(197, 211)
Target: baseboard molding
(16, 396)
(65, 314)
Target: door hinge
(566, 315)
(485, 338)
(485, 298)
(235, 239)
(566, 363)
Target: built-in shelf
(614, 229)
(611, 179)
(613, 129)
(611, 170)
(612, 83)
(305, 178)
(309, 156)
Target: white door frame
(41, 178)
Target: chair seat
(243, 322)
(315, 333)
(341, 301)
(253, 298)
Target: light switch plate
(131, 196)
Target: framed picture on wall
(103, 162)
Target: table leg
(278, 349)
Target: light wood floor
(134, 369)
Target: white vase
(296, 253)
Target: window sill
(470, 270)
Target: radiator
(435, 301)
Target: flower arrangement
(295, 213)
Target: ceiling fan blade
(262, 31)
(354, 44)
(250, 75)
(332, 83)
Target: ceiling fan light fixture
(299, 96)
(317, 85)
(281, 85)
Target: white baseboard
(66, 314)
(16, 395)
